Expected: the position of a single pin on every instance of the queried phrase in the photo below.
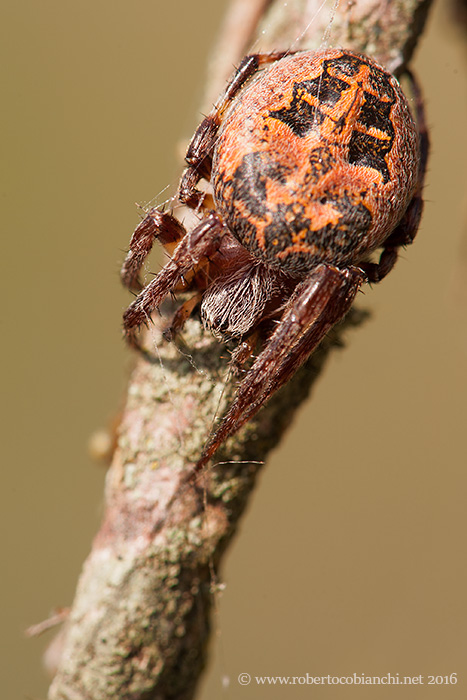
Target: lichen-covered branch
(140, 620)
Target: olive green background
(352, 555)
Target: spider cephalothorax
(314, 161)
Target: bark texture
(139, 624)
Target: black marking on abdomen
(242, 201)
(250, 178)
(368, 150)
(302, 116)
(333, 243)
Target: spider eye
(323, 200)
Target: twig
(140, 620)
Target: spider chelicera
(311, 161)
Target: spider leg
(180, 316)
(200, 149)
(244, 351)
(155, 225)
(315, 306)
(406, 230)
(403, 235)
(197, 245)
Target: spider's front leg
(193, 249)
(155, 225)
(317, 303)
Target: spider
(311, 161)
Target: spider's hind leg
(200, 150)
(403, 235)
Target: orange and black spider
(312, 162)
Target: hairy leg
(196, 246)
(315, 306)
(200, 149)
(156, 225)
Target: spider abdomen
(316, 161)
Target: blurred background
(351, 557)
